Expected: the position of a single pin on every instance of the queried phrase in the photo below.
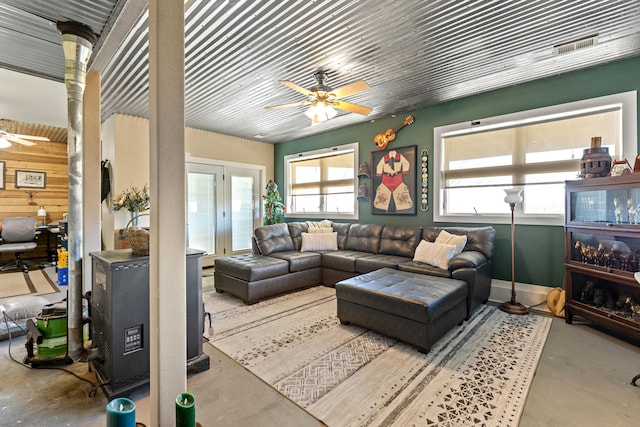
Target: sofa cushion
(273, 238)
(364, 237)
(423, 268)
(342, 228)
(319, 242)
(400, 240)
(343, 260)
(436, 254)
(375, 262)
(251, 267)
(459, 241)
(300, 261)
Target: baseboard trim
(532, 296)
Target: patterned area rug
(477, 374)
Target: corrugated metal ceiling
(412, 53)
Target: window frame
(627, 147)
(323, 152)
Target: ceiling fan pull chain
(424, 190)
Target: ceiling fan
(323, 99)
(7, 137)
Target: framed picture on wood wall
(2, 175)
(30, 179)
(394, 181)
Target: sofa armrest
(467, 259)
(479, 280)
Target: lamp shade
(320, 112)
(42, 211)
(513, 195)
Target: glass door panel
(243, 184)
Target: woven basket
(138, 237)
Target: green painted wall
(539, 249)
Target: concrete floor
(583, 379)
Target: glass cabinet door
(615, 203)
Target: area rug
(477, 374)
(35, 282)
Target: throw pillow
(325, 223)
(435, 254)
(319, 242)
(452, 239)
(320, 230)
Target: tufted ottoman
(414, 308)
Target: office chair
(18, 235)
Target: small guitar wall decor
(382, 140)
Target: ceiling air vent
(572, 45)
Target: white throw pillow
(325, 223)
(320, 230)
(435, 254)
(447, 238)
(319, 242)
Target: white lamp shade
(42, 211)
(513, 195)
(320, 112)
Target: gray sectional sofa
(279, 262)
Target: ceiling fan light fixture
(320, 111)
(4, 143)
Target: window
(322, 183)
(537, 150)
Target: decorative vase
(135, 219)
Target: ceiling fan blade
(21, 141)
(350, 89)
(354, 108)
(32, 137)
(293, 104)
(292, 85)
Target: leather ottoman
(415, 308)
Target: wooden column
(167, 191)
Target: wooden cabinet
(602, 252)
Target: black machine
(120, 319)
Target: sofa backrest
(481, 239)
(364, 237)
(400, 240)
(342, 228)
(273, 238)
(295, 231)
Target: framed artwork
(394, 181)
(30, 179)
(2, 175)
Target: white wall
(126, 144)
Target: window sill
(549, 220)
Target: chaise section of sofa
(277, 267)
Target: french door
(223, 208)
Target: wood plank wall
(48, 157)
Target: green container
(54, 335)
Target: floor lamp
(513, 197)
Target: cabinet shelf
(602, 252)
